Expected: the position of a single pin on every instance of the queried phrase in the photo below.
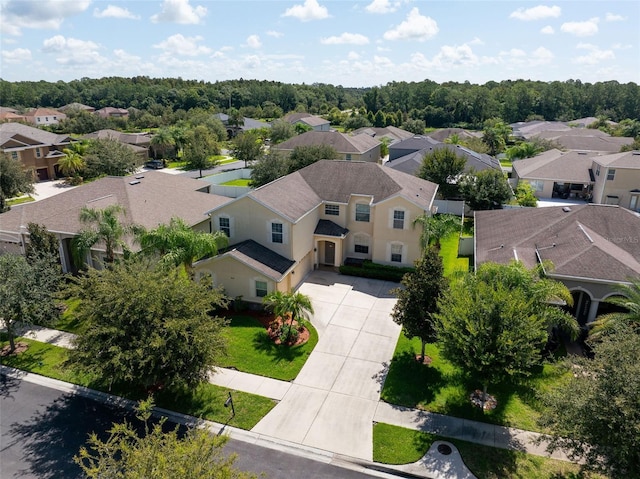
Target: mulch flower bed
(21, 347)
(272, 324)
(477, 398)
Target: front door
(43, 174)
(329, 253)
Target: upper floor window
(332, 210)
(611, 174)
(225, 226)
(38, 152)
(348, 156)
(362, 212)
(396, 253)
(597, 170)
(14, 155)
(361, 244)
(398, 219)
(276, 233)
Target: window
(537, 185)
(261, 289)
(597, 170)
(398, 219)
(396, 253)
(361, 244)
(362, 213)
(276, 233)
(611, 174)
(634, 204)
(225, 226)
(332, 210)
(38, 153)
(14, 155)
(348, 157)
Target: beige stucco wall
(372, 156)
(625, 180)
(301, 236)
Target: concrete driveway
(332, 402)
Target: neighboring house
(526, 129)
(10, 115)
(149, 199)
(444, 133)
(78, 107)
(586, 139)
(617, 179)
(325, 214)
(316, 123)
(111, 112)
(392, 133)
(557, 174)
(138, 142)
(36, 149)
(351, 148)
(592, 247)
(44, 116)
(248, 124)
(407, 155)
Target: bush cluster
(372, 270)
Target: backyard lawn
(449, 253)
(238, 182)
(252, 351)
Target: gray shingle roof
(588, 241)
(259, 258)
(628, 159)
(7, 130)
(569, 167)
(339, 141)
(335, 181)
(329, 228)
(391, 132)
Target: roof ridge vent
(134, 182)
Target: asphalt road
(41, 429)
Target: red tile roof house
(351, 148)
(44, 116)
(149, 199)
(323, 214)
(592, 247)
(36, 149)
(111, 112)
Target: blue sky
(349, 43)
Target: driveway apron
(332, 402)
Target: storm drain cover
(444, 449)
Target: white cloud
(310, 10)
(41, 15)
(180, 45)
(536, 13)
(612, 17)
(353, 55)
(594, 54)
(415, 27)
(346, 38)
(520, 58)
(542, 55)
(476, 41)
(71, 51)
(548, 30)
(113, 11)
(16, 56)
(253, 41)
(382, 6)
(581, 29)
(179, 11)
(125, 57)
(514, 53)
(274, 34)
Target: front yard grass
(20, 200)
(68, 321)
(250, 350)
(397, 445)
(442, 388)
(206, 401)
(453, 264)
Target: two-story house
(320, 215)
(44, 116)
(36, 149)
(617, 179)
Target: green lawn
(68, 321)
(505, 163)
(449, 253)
(442, 388)
(238, 182)
(397, 445)
(21, 200)
(250, 350)
(205, 401)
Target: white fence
(217, 188)
(451, 207)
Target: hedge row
(376, 271)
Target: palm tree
(453, 139)
(629, 300)
(104, 226)
(73, 162)
(436, 227)
(178, 244)
(294, 306)
(161, 142)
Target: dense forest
(438, 105)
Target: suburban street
(42, 428)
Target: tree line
(437, 104)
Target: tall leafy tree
(42, 244)
(178, 244)
(486, 190)
(104, 226)
(146, 326)
(629, 301)
(494, 324)
(270, 167)
(106, 156)
(443, 166)
(418, 298)
(200, 147)
(14, 180)
(302, 156)
(281, 130)
(594, 415)
(155, 453)
(247, 147)
(27, 292)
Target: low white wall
(225, 190)
(451, 207)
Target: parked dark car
(155, 164)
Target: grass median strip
(206, 401)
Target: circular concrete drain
(444, 449)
